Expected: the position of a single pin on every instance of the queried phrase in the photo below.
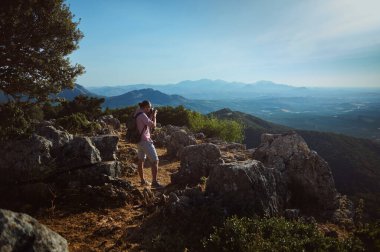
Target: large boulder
(96, 186)
(77, 153)
(96, 174)
(178, 141)
(308, 176)
(57, 137)
(25, 160)
(107, 146)
(111, 121)
(20, 232)
(248, 187)
(196, 162)
(161, 136)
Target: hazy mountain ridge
(348, 111)
(206, 89)
(70, 94)
(134, 97)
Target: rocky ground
(87, 189)
(109, 228)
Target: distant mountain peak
(157, 98)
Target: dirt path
(107, 229)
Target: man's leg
(154, 171)
(152, 155)
(140, 164)
(140, 167)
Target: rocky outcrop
(178, 141)
(92, 175)
(180, 201)
(308, 177)
(78, 152)
(162, 135)
(20, 232)
(57, 137)
(43, 168)
(107, 146)
(110, 120)
(196, 162)
(25, 160)
(247, 187)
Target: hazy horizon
(248, 83)
(300, 43)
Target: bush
(121, 113)
(13, 121)
(367, 238)
(227, 130)
(274, 234)
(89, 106)
(77, 123)
(177, 116)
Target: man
(145, 120)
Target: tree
(89, 106)
(36, 37)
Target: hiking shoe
(145, 183)
(157, 185)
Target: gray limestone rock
(107, 146)
(196, 162)
(78, 152)
(20, 232)
(178, 141)
(57, 137)
(247, 187)
(308, 176)
(25, 160)
(110, 120)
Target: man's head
(146, 106)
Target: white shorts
(146, 148)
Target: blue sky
(301, 43)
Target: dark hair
(144, 104)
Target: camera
(151, 112)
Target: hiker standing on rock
(146, 119)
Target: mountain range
(208, 89)
(348, 113)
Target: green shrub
(89, 106)
(177, 116)
(366, 238)
(14, 122)
(274, 234)
(51, 111)
(228, 130)
(77, 123)
(121, 113)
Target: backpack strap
(139, 113)
(145, 127)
